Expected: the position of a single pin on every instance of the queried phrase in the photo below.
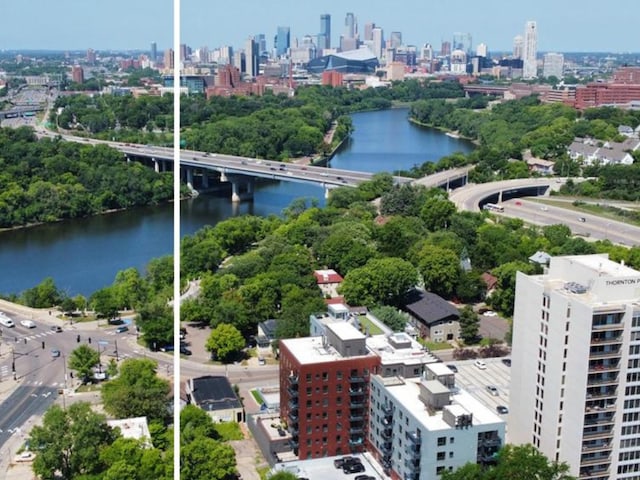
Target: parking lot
(323, 468)
(475, 381)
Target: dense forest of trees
(48, 180)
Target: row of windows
(634, 363)
(633, 377)
(339, 376)
(634, 467)
(633, 403)
(630, 442)
(624, 456)
(632, 390)
(631, 430)
(634, 350)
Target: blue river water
(84, 255)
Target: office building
(481, 50)
(368, 31)
(261, 41)
(168, 58)
(377, 42)
(350, 27)
(395, 40)
(445, 49)
(153, 52)
(282, 41)
(419, 428)
(325, 31)
(530, 51)
(91, 56)
(462, 41)
(518, 47)
(77, 74)
(627, 75)
(575, 371)
(251, 58)
(553, 65)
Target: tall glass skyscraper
(325, 31)
(282, 41)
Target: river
(84, 255)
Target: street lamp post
(64, 386)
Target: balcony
(603, 326)
(354, 430)
(412, 464)
(601, 433)
(293, 430)
(293, 404)
(386, 447)
(599, 406)
(610, 392)
(598, 419)
(594, 473)
(387, 433)
(595, 459)
(356, 391)
(412, 476)
(356, 441)
(605, 352)
(414, 438)
(293, 392)
(293, 380)
(357, 380)
(356, 418)
(293, 417)
(597, 446)
(597, 367)
(387, 409)
(606, 338)
(357, 404)
(603, 378)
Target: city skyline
(74, 26)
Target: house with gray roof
(215, 395)
(608, 153)
(436, 318)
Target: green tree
(44, 295)
(155, 320)
(82, 360)
(225, 342)
(391, 317)
(194, 423)
(469, 324)
(112, 368)
(283, 475)
(137, 391)
(440, 269)
(207, 459)
(104, 302)
(67, 442)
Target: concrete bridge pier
(237, 195)
(500, 197)
(205, 179)
(156, 165)
(190, 178)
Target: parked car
(122, 329)
(502, 410)
(493, 390)
(506, 361)
(364, 477)
(453, 368)
(6, 321)
(27, 323)
(184, 350)
(353, 468)
(480, 364)
(339, 462)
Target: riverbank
(452, 133)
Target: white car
(480, 364)
(490, 313)
(27, 324)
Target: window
(442, 441)
(441, 456)
(325, 376)
(308, 378)
(309, 391)
(439, 470)
(339, 375)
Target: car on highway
(27, 323)
(55, 353)
(480, 364)
(122, 329)
(502, 410)
(493, 390)
(6, 321)
(56, 328)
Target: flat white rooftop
(345, 330)
(309, 350)
(406, 394)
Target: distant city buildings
(77, 74)
(153, 52)
(324, 38)
(530, 51)
(553, 65)
(251, 58)
(282, 41)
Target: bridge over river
(201, 169)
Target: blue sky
(82, 24)
(570, 25)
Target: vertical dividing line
(176, 239)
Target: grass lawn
(90, 387)
(433, 346)
(368, 325)
(257, 397)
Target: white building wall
(530, 67)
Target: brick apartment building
(324, 391)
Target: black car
(353, 468)
(184, 350)
(453, 368)
(506, 361)
(340, 462)
(502, 410)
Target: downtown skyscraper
(324, 37)
(530, 53)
